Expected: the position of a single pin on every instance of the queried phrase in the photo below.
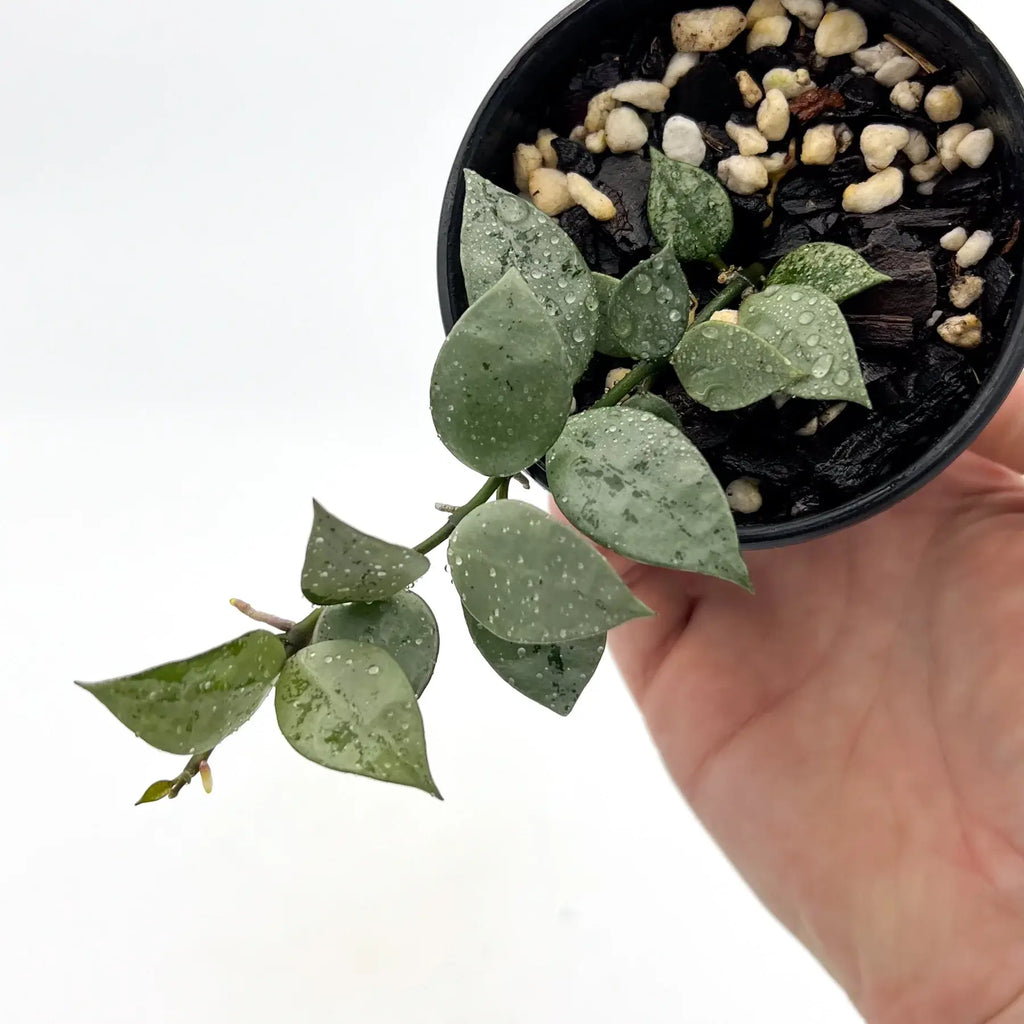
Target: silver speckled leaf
(531, 580)
(649, 310)
(834, 270)
(500, 232)
(607, 343)
(551, 674)
(188, 706)
(688, 207)
(636, 485)
(344, 564)
(646, 402)
(725, 367)
(501, 388)
(348, 706)
(809, 329)
(403, 625)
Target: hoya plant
(537, 596)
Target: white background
(217, 231)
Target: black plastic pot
(516, 107)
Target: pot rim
(943, 452)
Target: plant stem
(639, 373)
(481, 497)
(191, 771)
(298, 637)
(284, 625)
(503, 489)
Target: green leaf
(192, 705)
(689, 208)
(835, 270)
(649, 310)
(637, 486)
(501, 389)
(349, 706)
(343, 564)
(532, 580)
(551, 674)
(501, 232)
(607, 343)
(726, 367)
(404, 626)
(156, 792)
(655, 404)
(809, 329)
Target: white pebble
(749, 89)
(683, 141)
(773, 116)
(769, 32)
(726, 316)
(679, 67)
(844, 137)
(598, 110)
(907, 96)
(917, 148)
(578, 134)
(944, 103)
(809, 12)
(953, 241)
(790, 83)
(592, 199)
(840, 32)
(527, 160)
(775, 164)
(745, 496)
(882, 190)
(977, 147)
(975, 249)
(764, 9)
(949, 143)
(809, 429)
(743, 175)
(832, 413)
(547, 151)
(748, 138)
(899, 69)
(596, 142)
(965, 291)
(549, 190)
(873, 59)
(880, 143)
(625, 132)
(820, 146)
(708, 29)
(961, 331)
(650, 96)
(927, 188)
(926, 171)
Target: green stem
(639, 373)
(299, 636)
(503, 489)
(751, 277)
(481, 497)
(190, 772)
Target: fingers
(1003, 439)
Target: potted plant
(755, 302)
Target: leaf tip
(156, 792)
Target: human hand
(853, 736)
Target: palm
(853, 736)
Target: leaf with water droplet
(835, 270)
(191, 705)
(501, 389)
(647, 312)
(725, 367)
(344, 564)
(809, 329)
(403, 625)
(688, 208)
(531, 580)
(551, 674)
(607, 343)
(158, 791)
(634, 484)
(348, 706)
(501, 232)
(655, 404)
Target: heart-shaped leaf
(607, 343)
(343, 564)
(501, 232)
(648, 312)
(403, 625)
(655, 404)
(501, 389)
(192, 705)
(531, 580)
(636, 485)
(551, 674)
(726, 367)
(348, 706)
(809, 329)
(688, 208)
(834, 270)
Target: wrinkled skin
(853, 736)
